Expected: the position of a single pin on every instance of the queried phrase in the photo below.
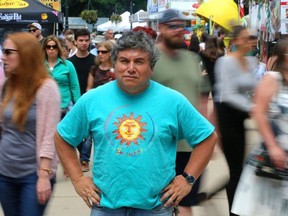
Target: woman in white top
(70, 41)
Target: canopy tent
(124, 25)
(27, 11)
(222, 12)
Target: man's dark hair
(82, 32)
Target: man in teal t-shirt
(135, 124)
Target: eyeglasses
(51, 47)
(175, 26)
(32, 30)
(102, 51)
(8, 51)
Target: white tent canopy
(124, 25)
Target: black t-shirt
(83, 66)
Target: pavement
(65, 201)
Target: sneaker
(84, 166)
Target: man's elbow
(210, 141)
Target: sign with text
(55, 4)
(6, 4)
(284, 16)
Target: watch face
(190, 179)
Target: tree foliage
(105, 8)
(90, 16)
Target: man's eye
(124, 61)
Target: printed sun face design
(129, 129)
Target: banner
(184, 4)
(55, 4)
(284, 16)
(152, 6)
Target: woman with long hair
(63, 71)
(209, 56)
(30, 111)
(194, 44)
(103, 71)
(70, 41)
(264, 191)
(234, 85)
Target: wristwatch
(190, 179)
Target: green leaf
(90, 16)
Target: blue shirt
(134, 140)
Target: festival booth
(17, 14)
(269, 20)
(219, 16)
(122, 26)
(221, 12)
(186, 9)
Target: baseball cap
(98, 39)
(36, 25)
(169, 16)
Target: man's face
(132, 70)
(109, 35)
(172, 34)
(83, 42)
(35, 31)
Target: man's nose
(131, 67)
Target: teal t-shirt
(134, 140)
(65, 75)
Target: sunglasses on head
(175, 26)
(51, 47)
(102, 51)
(32, 30)
(8, 51)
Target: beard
(173, 44)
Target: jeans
(159, 211)
(18, 196)
(84, 149)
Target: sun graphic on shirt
(129, 130)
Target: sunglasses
(175, 26)
(102, 51)
(32, 30)
(51, 47)
(8, 51)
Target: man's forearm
(68, 157)
(200, 156)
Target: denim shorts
(160, 210)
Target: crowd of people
(140, 100)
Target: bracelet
(49, 171)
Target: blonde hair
(21, 86)
(108, 45)
(70, 38)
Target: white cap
(117, 36)
(36, 25)
(98, 39)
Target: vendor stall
(222, 12)
(15, 15)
